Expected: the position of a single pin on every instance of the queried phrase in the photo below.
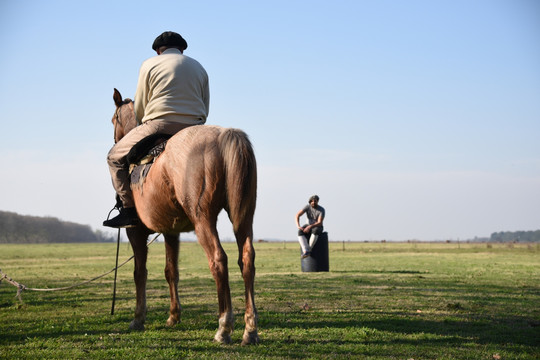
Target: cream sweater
(173, 87)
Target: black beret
(171, 39)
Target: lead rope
(116, 207)
(115, 272)
(21, 287)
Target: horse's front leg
(137, 238)
(172, 247)
(217, 261)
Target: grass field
(379, 301)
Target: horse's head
(124, 116)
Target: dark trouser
(317, 230)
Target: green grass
(379, 301)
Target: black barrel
(318, 261)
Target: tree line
(516, 236)
(21, 229)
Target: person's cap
(171, 39)
(314, 197)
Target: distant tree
(516, 236)
(104, 237)
(15, 228)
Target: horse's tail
(240, 175)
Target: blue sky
(410, 119)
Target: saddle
(141, 156)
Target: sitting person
(315, 215)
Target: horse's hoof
(250, 338)
(224, 339)
(136, 325)
(171, 321)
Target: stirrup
(126, 219)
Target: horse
(202, 170)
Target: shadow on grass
(501, 330)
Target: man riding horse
(172, 94)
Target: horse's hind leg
(246, 261)
(172, 247)
(137, 238)
(217, 261)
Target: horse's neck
(131, 121)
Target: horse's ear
(117, 97)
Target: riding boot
(126, 219)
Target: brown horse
(202, 170)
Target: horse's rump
(203, 169)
